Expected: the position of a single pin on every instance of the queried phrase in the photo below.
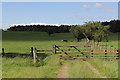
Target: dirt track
(63, 72)
(95, 70)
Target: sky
(57, 12)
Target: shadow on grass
(13, 55)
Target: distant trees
(50, 30)
(41, 28)
(114, 25)
(91, 31)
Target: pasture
(50, 66)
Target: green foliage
(39, 63)
(101, 32)
(50, 30)
(77, 32)
(91, 31)
(114, 25)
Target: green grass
(78, 69)
(106, 68)
(25, 68)
(21, 42)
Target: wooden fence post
(34, 55)
(3, 52)
(54, 49)
(118, 54)
(32, 52)
(91, 52)
(105, 53)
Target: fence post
(54, 49)
(32, 52)
(3, 52)
(105, 52)
(34, 55)
(118, 53)
(91, 52)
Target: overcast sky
(57, 12)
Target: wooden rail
(74, 46)
(99, 53)
(104, 55)
(34, 53)
(105, 52)
(56, 48)
(70, 49)
(104, 49)
(44, 50)
(108, 53)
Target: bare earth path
(63, 72)
(95, 70)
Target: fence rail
(74, 46)
(107, 53)
(44, 50)
(98, 53)
(104, 49)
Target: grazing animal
(64, 40)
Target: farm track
(63, 72)
(96, 71)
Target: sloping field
(51, 66)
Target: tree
(50, 30)
(77, 32)
(114, 25)
(91, 31)
(101, 33)
(95, 31)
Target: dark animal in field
(64, 40)
(71, 41)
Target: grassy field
(108, 68)
(21, 42)
(25, 68)
(49, 67)
(76, 72)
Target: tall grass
(25, 68)
(106, 68)
(78, 69)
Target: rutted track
(63, 72)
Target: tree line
(50, 29)
(114, 27)
(41, 28)
(96, 31)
